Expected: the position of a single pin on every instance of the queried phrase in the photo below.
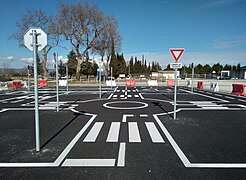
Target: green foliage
(72, 63)
(61, 68)
(88, 68)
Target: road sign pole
(28, 79)
(57, 90)
(67, 77)
(100, 85)
(34, 43)
(192, 77)
(175, 92)
(111, 77)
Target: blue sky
(211, 31)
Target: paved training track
(127, 134)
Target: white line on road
(110, 96)
(229, 97)
(89, 162)
(241, 100)
(113, 134)
(76, 138)
(154, 133)
(134, 135)
(125, 116)
(136, 96)
(141, 96)
(143, 115)
(121, 156)
(92, 135)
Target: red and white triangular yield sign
(176, 53)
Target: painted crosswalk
(113, 134)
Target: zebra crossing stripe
(113, 134)
(92, 135)
(154, 133)
(134, 135)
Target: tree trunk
(78, 68)
(44, 64)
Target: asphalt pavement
(129, 133)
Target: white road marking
(113, 134)
(92, 135)
(241, 100)
(129, 96)
(175, 146)
(115, 96)
(143, 115)
(136, 96)
(125, 116)
(218, 107)
(154, 133)
(218, 95)
(204, 95)
(122, 96)
(110, 96)
(134, 135)
(141, 96)
(229, 97)
(3, 110)
(137, 90)
(89, 162)
(118, 90)
(76, 138)
(121, 155)
(133, 90)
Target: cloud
(27, 60)
(224, 43)
(221, 3)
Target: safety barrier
(214, 87)
(42, 83)
(170, 82)
(111, 83)
(62, 82)
(152, 83)
(130, 83)
(3, 86)
(200, 85)
(16, 85)
(238, 89)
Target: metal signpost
(192, 77)
(35, 39)
(176, 53)
(111, 77)
(67, 76)
(57, 85)
(28, 78)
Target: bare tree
(38, 18)
(81, 25)
(108, 38)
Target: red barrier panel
(200, 85)
(238, 89)
(170, 82)
(42, 83)
(130, 83)
(16, 85)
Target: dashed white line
(121, 155)
(141, 96)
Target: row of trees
(87, 29)
(207, 69)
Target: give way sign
(176, 53)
